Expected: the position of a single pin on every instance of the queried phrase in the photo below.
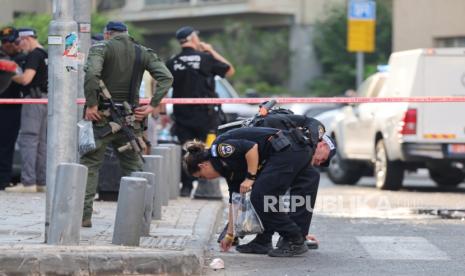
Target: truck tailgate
(443, 122)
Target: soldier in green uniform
(119, 62)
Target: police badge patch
(321, 132)
(225, 150)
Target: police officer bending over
(269, 162)
(324, 149)
(119, 62)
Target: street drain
(443, 213)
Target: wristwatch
(251, 176)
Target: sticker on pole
(71, 45)
(84, 27)
(55, 40)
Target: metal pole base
(129, 211)
(68, 203)
(208, 189)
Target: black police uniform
(314, 130)
(194, 77)
(280, 170)
(10, 121)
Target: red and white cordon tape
(287, 100)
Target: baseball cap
(27, 32)
(332, 149)
(116, 26)
(183, 32)
(8, 34)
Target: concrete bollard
(208, 189)
(129, 211)
(176, 165)
(148, 200)
(154, 164)
(167, 168)
(173, 167)
(67, 204)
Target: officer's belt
(281, 140)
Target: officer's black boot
(311, 244)
(290, 247)
(256, 246)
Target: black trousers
(185, 134)
(286, 170)
(10, 121)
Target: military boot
(86, 223)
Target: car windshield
(221, 90)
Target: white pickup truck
(389, 138)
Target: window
(364, 88)
(378, 87)
(166, 2)
(221, 90)
(447, 42)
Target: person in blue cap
(194, 71)
(119, 61)
(32, 138)
(10, 115)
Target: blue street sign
(362, 10)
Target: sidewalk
(176, 244)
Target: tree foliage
(338, 65)
(260, 56)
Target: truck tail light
(409, 122)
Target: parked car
(390, 138)
(225, 90)
(312, 109)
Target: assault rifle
(123, 120)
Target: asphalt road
(365, 231)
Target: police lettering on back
(192, 61)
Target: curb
(205, 227)
(43, 259)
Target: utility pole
(82, 11)
(360, 60)
(62, 108)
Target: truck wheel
(388, 174)
(446, 176)
(343, 172)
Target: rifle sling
(135, 74)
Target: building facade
(10, 9)
(428, 23)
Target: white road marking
(401, 248)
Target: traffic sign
(361, 36)
(361, 26)
(362, 10)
